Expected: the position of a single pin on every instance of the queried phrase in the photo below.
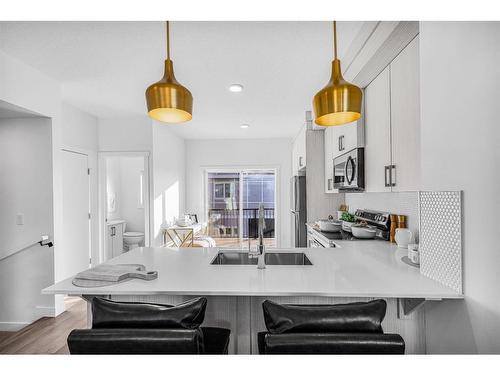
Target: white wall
(123, 180)
(69, 127)
(26, 188)
(125, 134)
(79, 129)
(132, 212)
(460, 75)
(43, 97)
(169, 163)
(113, 188)
(247, 153)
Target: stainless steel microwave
(349, 170)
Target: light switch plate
(20, 219)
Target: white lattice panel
(441, 237)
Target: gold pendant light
(167, 100)
(339, 102)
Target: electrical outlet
(20, 219)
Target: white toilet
(132, 239)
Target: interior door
(75, 249)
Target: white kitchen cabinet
(392, 132)
(405, 119)
(115, 239)
(347, 137)
(378, 133)
(299, 151)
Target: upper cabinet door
(378, 133)
(350, 132)
(405, 119)
(347, 137)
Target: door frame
(243, 168)
(102, 206)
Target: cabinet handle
(330, 183)
(340, 143)
(387, 175)
(392, 176)
(300, 161)
(113, 231)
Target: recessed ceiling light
(244, 126)
(236, 87)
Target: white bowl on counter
(346, 225)
(183, 223)
(362, 231)
(329, 225)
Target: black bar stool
(144, 328)
(353, 328)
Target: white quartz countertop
(356, 269)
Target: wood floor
(46, 335)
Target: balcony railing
(225, 223)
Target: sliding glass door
(233, 200)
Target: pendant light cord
(335, 40)
(168, 40)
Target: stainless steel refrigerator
(299, 211)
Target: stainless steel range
(380, 220)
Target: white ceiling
(105, 67)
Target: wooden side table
(182, 236)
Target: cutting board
(109, 274)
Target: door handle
(350, 160)
(392, 178)
(387, 177)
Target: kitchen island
(353, 271)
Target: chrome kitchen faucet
(260, 250)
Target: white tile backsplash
(441, 237)
(400, 203)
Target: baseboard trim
(13, 326)
(46, 311)
(37, 313)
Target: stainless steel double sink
(271, 259)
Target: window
(234, 198)
(219, 190)
(224, 190)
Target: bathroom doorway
(124, 202)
